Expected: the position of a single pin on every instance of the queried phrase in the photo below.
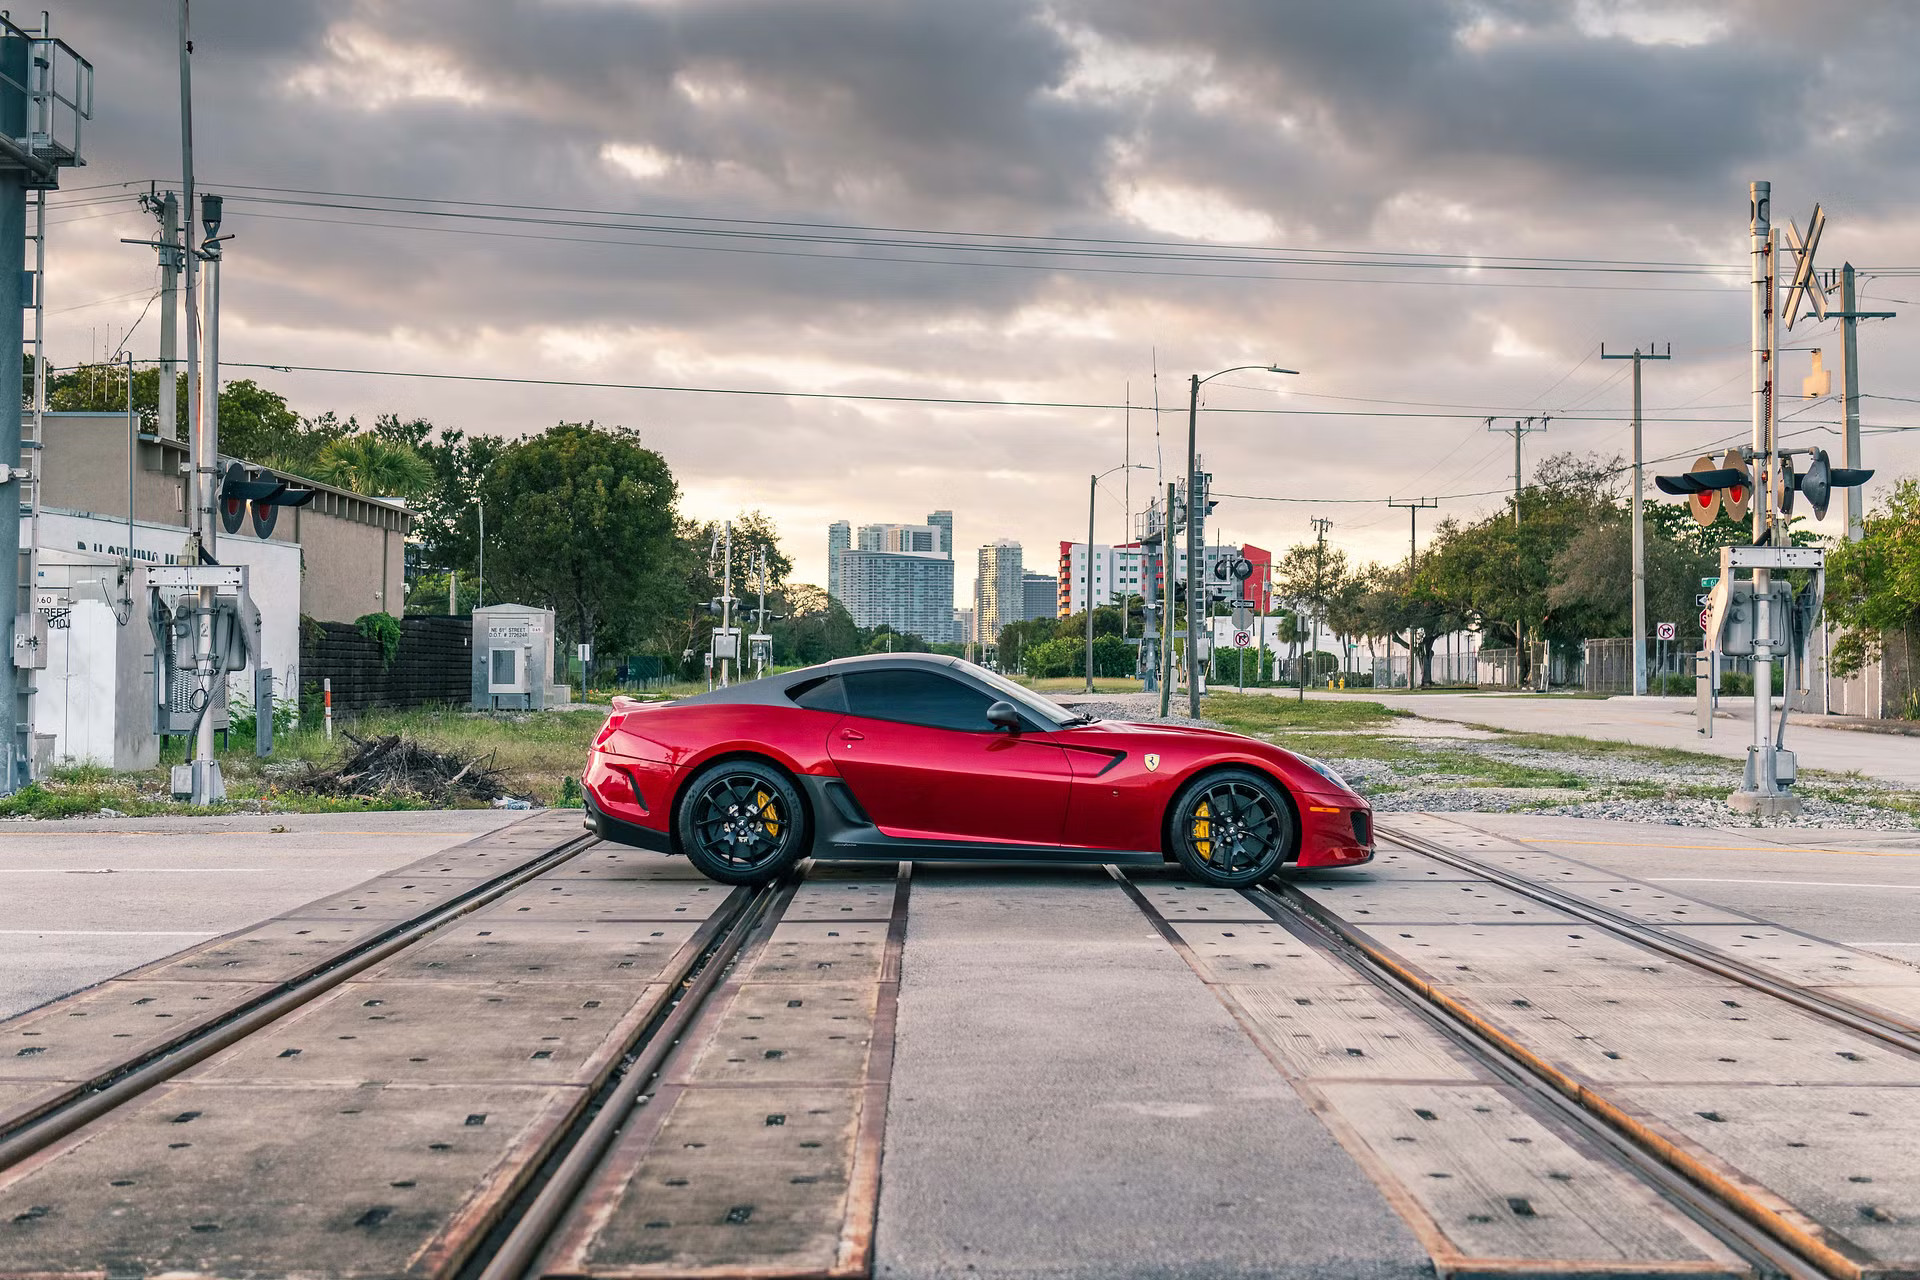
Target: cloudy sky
(1434, 211)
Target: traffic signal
(1821, 479)
(262, 493)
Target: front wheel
(1231, 829)
(741, 822)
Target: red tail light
(614, 721)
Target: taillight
(614, 721)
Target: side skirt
(842, 832)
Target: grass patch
(1078, 684)
(1262, 714)
(1576, 745)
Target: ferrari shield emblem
(1152, 762)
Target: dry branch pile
(399, 766)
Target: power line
(1467, 259)
(872, 397)
(842, 258)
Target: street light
(1093, 488)
(1194, 509)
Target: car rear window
(824, 694)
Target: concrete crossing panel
(1070, 1100)
(473, 949)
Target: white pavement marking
(107, 933)
(1814, 884)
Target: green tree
(1873, 586)
(816, 627)
(370, 464)
(447, 520)
(586, 526)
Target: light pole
(1093, 488)
(1196, 506)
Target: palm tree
(367, 464)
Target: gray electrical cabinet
(513, 658)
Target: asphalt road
(1662, 722)
(84, 900)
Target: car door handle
(852, 735)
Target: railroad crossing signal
(1709, 489)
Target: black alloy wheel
(741, 822)
(1231, 829)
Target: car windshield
(1049, 713)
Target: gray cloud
(1398, 124)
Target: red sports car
(915, 756)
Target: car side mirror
(1003, 715)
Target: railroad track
(1766, 1232)
(579, 1146)
(23, 1135)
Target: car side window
(918, 697)
(821, 695)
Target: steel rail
(1718, 1207)
(1884, 1027)
(546, 1202)
(127, 1080)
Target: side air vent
(845, 805)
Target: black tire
(741, 822)
(1231, 829)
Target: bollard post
(326, 687)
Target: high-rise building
(910, 591)
(963, 626)
(1039, 596)
(999, 590)
(839, 538)
(1116, 571)
(894, 574)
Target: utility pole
(1849, 316)
(1320, 525)
(1414, 506)
(1519, 429)
(200, 509)
(1639, 519)
(1168, 562)
(1196, 504)
(1093, 487)
(726, 598)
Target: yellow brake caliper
(1203, 831)
(769, 815)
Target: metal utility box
(512, 657)
(173, 617)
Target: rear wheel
(1231, 828)
(741, 822)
